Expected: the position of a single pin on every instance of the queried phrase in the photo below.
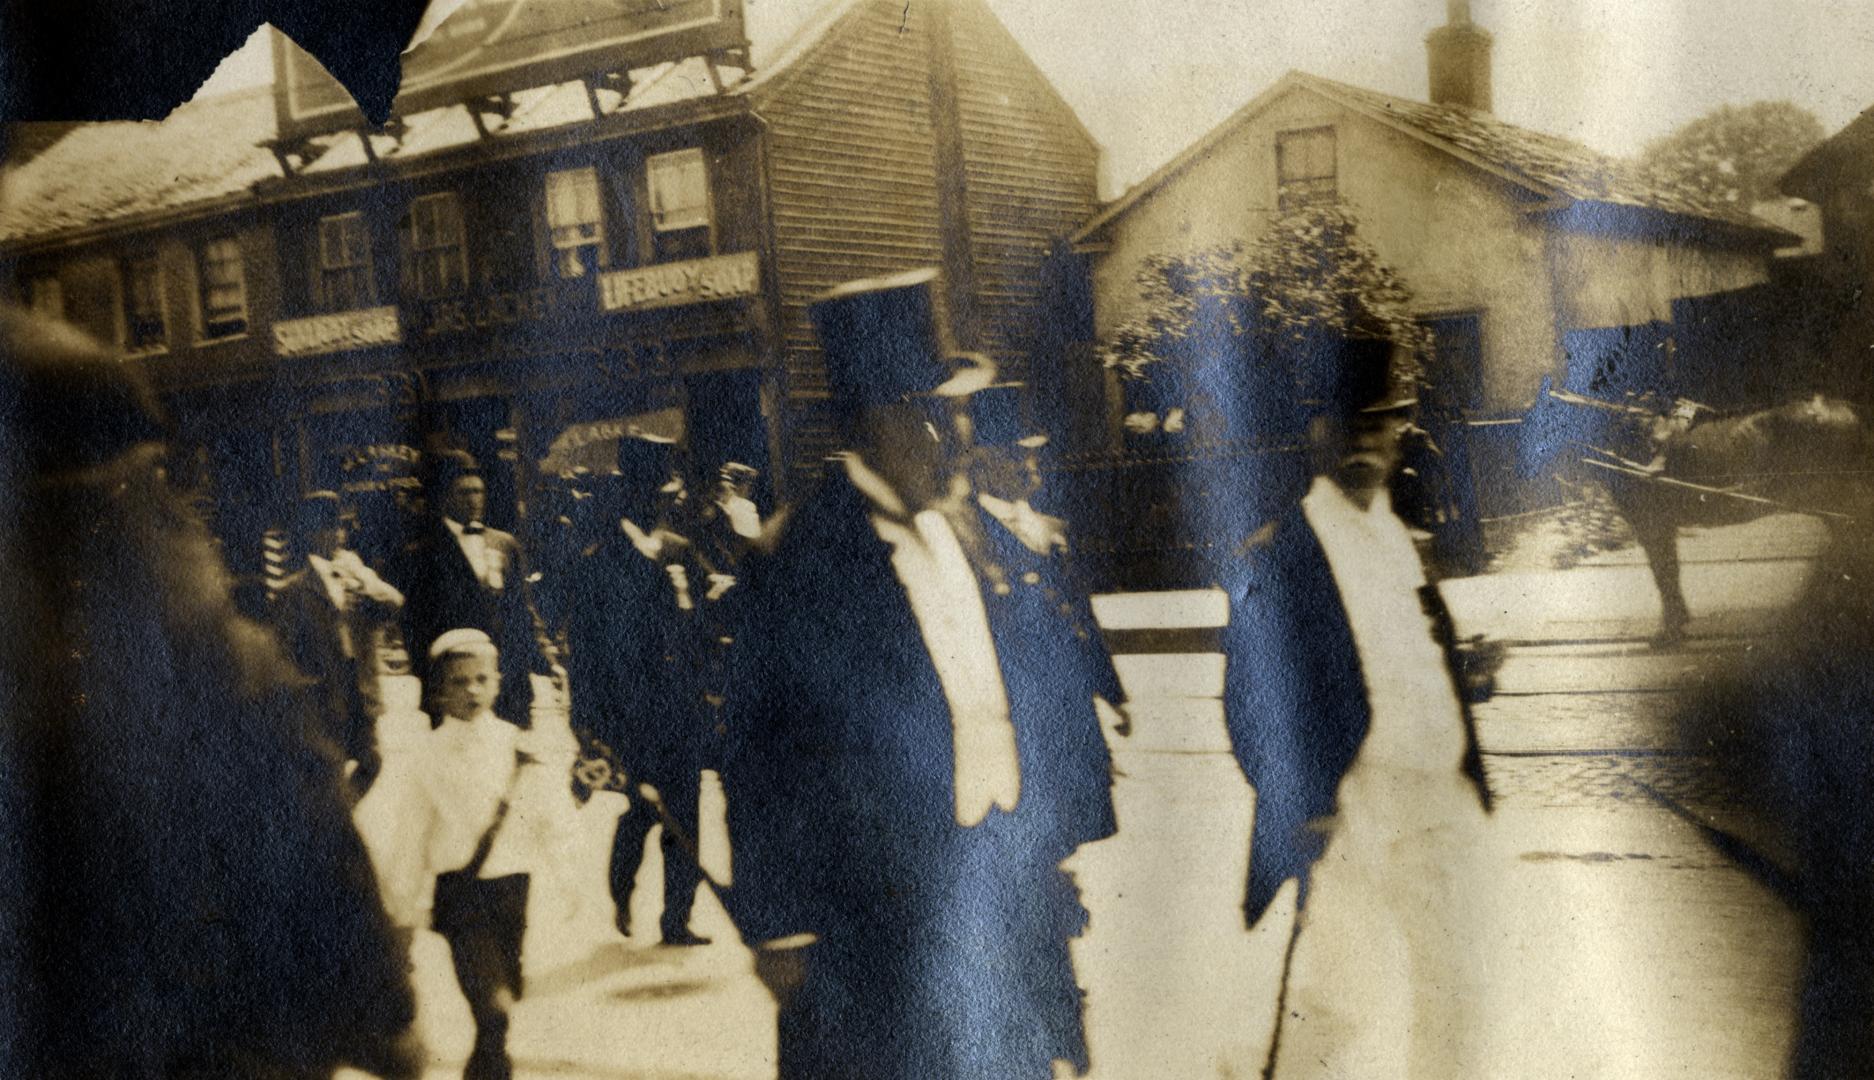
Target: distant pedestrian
(636, 651)
(331, 613)
(183, 893)
(1345, 713)
(878, 803)
(461, 572)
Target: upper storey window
(1305, 167)
(146, 325)
(678, 183)
(224, 289)
(345, 279)
(435, 254)
(575, 222)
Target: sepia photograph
(937, 540)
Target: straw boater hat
(463, 642)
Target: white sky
(1149, 76)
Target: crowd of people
(228, 838)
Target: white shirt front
(947, 603)
(485, 563)
(1416, 719)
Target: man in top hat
(1345, 713)
(462, 573)
(635, 641)
(876, 782)
(326, 614)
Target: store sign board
(724, 277)
(486, 311)
(497, 46)
(342, 331)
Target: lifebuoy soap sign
(725, 277)
(489, 47)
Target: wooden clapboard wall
(910, 137)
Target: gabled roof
(1832, 163)
(1549, 167)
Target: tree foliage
(1309, 275)
(1734, 155)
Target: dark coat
(633, 659)
(311, 628)
(442, 593)
(940, 953)
(1295, 699)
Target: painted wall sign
(495, 46)
(486, 310)
(724, 277)
(340, 331)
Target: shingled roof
(215, 148)
(207, 149)
(1547, 165)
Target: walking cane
(1281, 994)
(684, 840)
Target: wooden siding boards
(852, 186)
(852, 161)
(1032, 174)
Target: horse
(1667, 468)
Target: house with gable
(1528, 255)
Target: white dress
(1382, 982)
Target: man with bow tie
(326, 614)
(879, 796)
(462, 573)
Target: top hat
(319, 510)
(997, 420)
(644, 455)
(69, 401)
(884, 341)
(1361, 377)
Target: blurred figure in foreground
(195, 900)
(1348, 716)
(1795, 729)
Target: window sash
(145, 324)
(1305, 155)
(679, 189)
(575, 223)
(345, 262)
(435, 248)
(224, 289)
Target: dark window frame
(346, 282)
(145, 328)
(433, 265)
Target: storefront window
(345, 263)
(575, 222)
(224, 289)
(435, 256)
(145, 327)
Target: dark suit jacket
(1295, 700)
(310, 627)
(840, 784)
(634, 658)
(442, 593)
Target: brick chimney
(1458, 56)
